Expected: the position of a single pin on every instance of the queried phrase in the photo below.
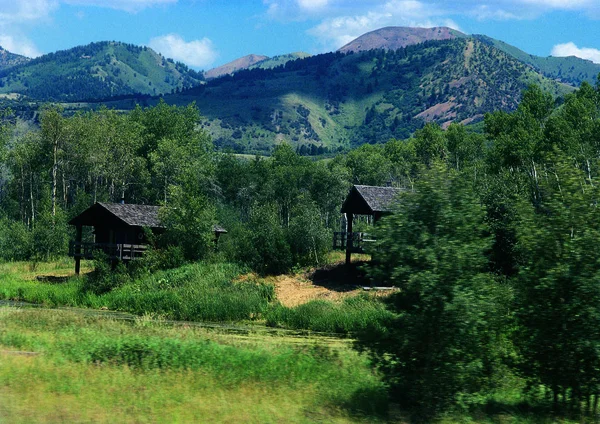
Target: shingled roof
(128, 214)
(368, 200)
(135, 215)
(119, 214)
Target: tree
(54, 134)
(433, 247)
(558, 290)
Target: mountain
(95, 71)
(571, 69)
(337, 100)
(234, 66)
(325, 102)
(279, 60)
(8, 59)
(392, 38)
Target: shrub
(106, 276)
(353, 314)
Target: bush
(264, 247)
(105, 276)
(16, 241)
(352, 315)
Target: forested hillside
(572, 70)
(333, 101)
(97, 71)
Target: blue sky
(209, 33)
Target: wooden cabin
(373, 201)
(119, 231)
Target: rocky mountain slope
(234, 66)
(392, 38)
(8, 59)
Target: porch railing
(358, 241)
(121, 251)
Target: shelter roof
(367, 200)
(117, 213)
(124, 214)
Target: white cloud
(18, 45)
(484, 10)
(22, 11)
(15, 11)
(570, 49)
(195, 53)
(312, 4)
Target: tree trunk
(31, 198)
(54, 174)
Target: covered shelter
(119, 231)
(374, 201)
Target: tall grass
(353, 314)
(94, 363)
(195, 292)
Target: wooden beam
(78, 250)
(349, 238)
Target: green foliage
(16, 243)
(107, 275)
(194, 292)
(558, 291)
(264, 247)
(189, 220)
(443, 341)
(309, 240)
(353, 315)
(96, 71)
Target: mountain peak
(233, 66)
(392, 38)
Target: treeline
(492, 243)
(493, 248)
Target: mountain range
(95, 71)
(385, 84)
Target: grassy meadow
(94, 369)
(87, 364)
(213, 292)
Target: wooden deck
(353, 242)
(123, 252)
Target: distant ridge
(231, 67)
(8, 59)
(95, 71)
(392, 38)
(278, 60)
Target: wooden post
(78, 250)
(349, 237)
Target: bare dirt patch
(296, 290)
(438, 110)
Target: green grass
(90, 369)
(351, 315)
(196, 292)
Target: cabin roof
(135, 215)
(128, 214)
(367, 200)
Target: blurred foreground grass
(91, 369)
